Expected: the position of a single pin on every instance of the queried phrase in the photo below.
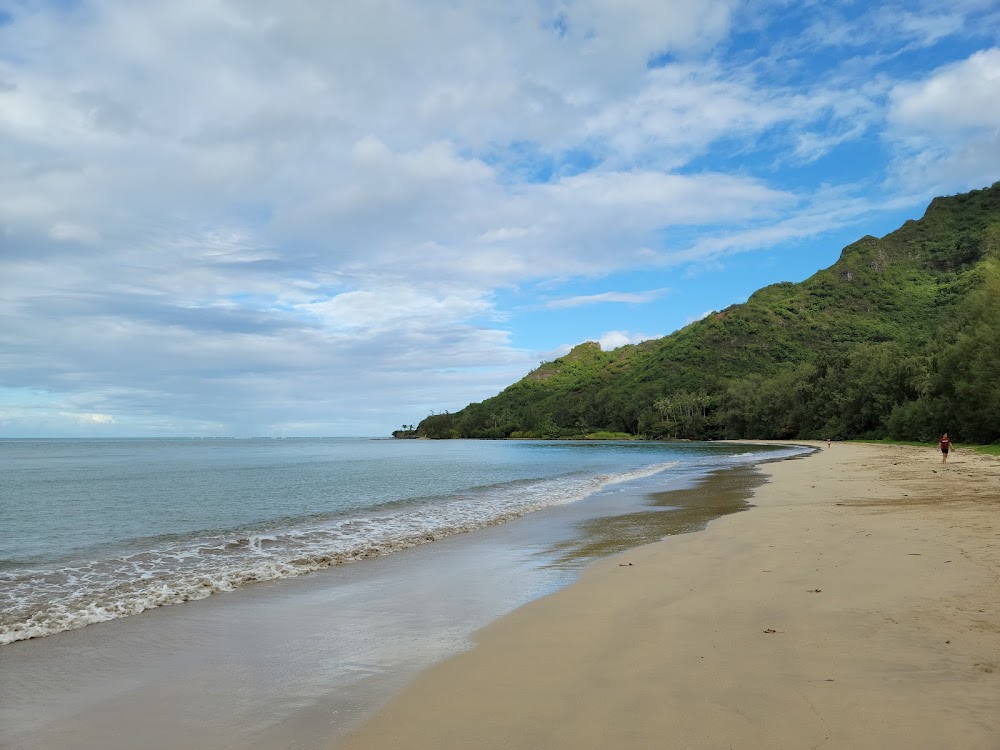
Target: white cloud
(632, 298)
(667, 198)
(829, 209)
(956, 97)
(681, 110)
(224, 216)
(880, 25)
(945, 128)
(614, 339)
(396, 306)
(925, 29)
(94, 418)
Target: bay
(101, 529)
(299, 659)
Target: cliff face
(760, 369)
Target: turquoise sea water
(94, 530)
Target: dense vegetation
(899, 338)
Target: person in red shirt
(945, 445)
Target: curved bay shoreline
(290, 663)
(857, 606)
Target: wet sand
(292, 663)
(857, 606)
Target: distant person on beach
(945, 447)
(828, 442)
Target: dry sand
(857, 606)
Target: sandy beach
(856, 606)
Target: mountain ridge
(770, 367)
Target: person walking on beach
(945, 445)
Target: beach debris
(815, 591)
(624, 565)
(947, 641)
(772, 630)
(913, 554)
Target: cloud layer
(248, 218)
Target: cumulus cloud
(964, 95)
(946, 126)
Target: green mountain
(900, 338)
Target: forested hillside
(899, 338)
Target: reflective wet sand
(677, 512)
(856, 606)
(294, 663)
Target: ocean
(308, 580)
(95, 530)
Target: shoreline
(324, 650)
(168, 562)
(857, 605)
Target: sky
(247, 218)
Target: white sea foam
(36, 602)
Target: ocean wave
(36, 601)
